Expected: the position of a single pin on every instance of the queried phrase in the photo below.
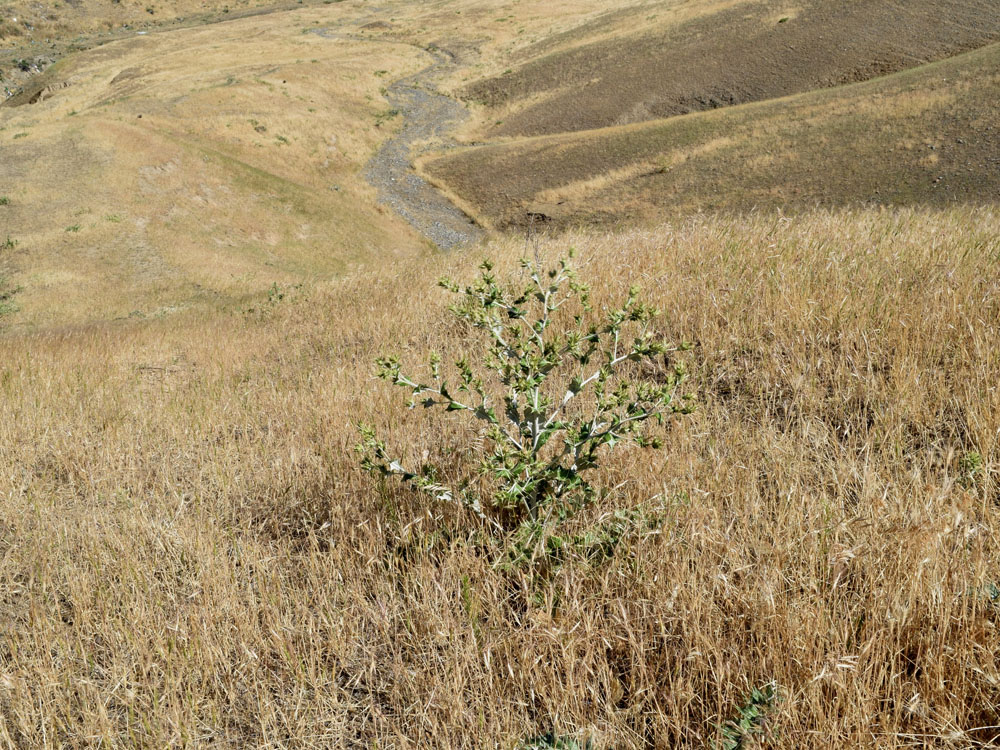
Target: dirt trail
(428, 117)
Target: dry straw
(190, 556)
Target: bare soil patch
(750, 52)
(927, 136)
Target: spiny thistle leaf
(550, 415)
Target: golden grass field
(198, 280)
(174, 170)
(192, 558)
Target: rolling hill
(204, 264)
(927, 135)
(663, 59)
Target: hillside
(189, 550)
(172, 170)
(925, 136)
(33, 35)
(169, 170)
(664, 59)
(739, 491)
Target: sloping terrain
(197, 278)
(201, 166)
(25, 21)
(190, 556)
(924, 136)
(173, 169)
(33, 35)
(665, 59)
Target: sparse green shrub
(383, 117)
(992, 592)
(970, 464)
(750, 718)
(552, 741)
(4, 200)
(7, 292)
(275, 295)
(553, 394)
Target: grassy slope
(664, 59)
(40, 29)
(33, 35)
(177, 169)
(189, 555)
(174, 169)
(923, 136)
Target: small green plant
(970, 464)
(993, 593)
(383, 117)
(8, 244)
(7, 292)
(18, 135)
(750, 718)
(4, 200)
(73, 228)
(553, 394)
(275, 294)
(281, 140)
(552, 741)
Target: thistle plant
(552, 393)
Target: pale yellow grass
(548, 201)
(23, 22)
(189, 556)
(195, 167)
(182, 169)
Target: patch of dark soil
(126, 75)
(739, 55)
(38, 88)
(928, 136)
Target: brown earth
(668, 63)
(924, 136)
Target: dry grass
(196, 174)
(190, 557)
